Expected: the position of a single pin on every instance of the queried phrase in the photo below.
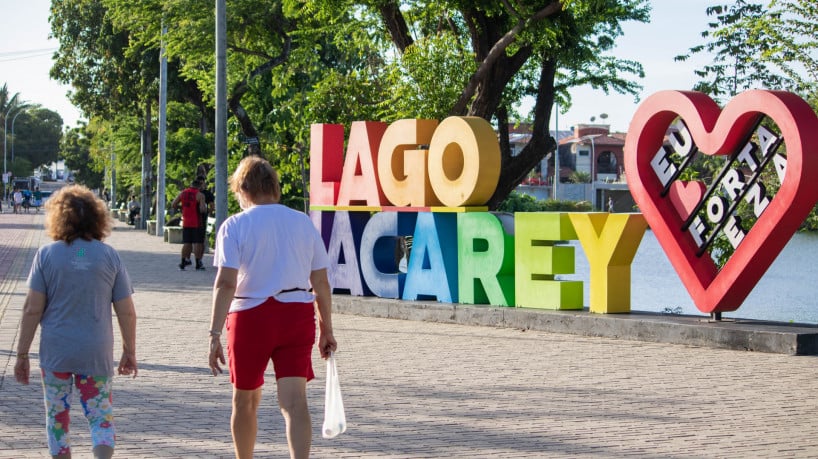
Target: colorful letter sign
(412, 193)
(687, 217)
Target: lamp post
(590, 137)
(5, 140)
(557, 151)
(5, 137)
(12, 132)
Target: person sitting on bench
(133, 209)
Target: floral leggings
(95, 397)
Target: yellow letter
(610, 242)
(464, 161)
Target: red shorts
(284, 332)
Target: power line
(25, 54)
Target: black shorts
(192, 235)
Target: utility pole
(221, 113)
(163, 109)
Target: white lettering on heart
(697, 229)
(680, 139)
(733, 183)
(734, 231)
(664, 168)
(716, 208)
(748, 157)
(757, 196)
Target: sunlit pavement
(417, 389)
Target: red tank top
(190, 208)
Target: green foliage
(20, 167)
(37, 132)
(76, 152)
(292, 63)
(518, 202)
(428, 78)
(108, 74)
(736, 64)
(579, 177)
(770, 45)
(787, 37)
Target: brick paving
(418, 389)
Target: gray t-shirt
(80, 281)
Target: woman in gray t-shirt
(72, 284)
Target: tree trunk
(514, 169)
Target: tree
(296, 62)
(741, 51)
(108, 75)
(536, 48)
(75, 150)
(37, 133)
(787, 36)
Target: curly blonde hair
(256, 177)
(73, 212)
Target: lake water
(786, 293)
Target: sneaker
(200, 268)
(187, 262)
(182, 266)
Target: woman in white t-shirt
(17, 198)
(270, 288)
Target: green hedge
(517, 202)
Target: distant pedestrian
(72, 284)
(210, 204)
(610, 204)
(192, 203)
(37, 198)
(270, 288)
(133, 210)
(17, 198)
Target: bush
(517, 202)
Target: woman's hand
(127, 364)
(216, 355)
(22, 370)
(326, 344)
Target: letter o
(715, 209)
(464, 161)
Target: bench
(173, 234)
(210, 228)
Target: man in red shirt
(192, 202)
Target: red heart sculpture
(685, 196)
(722, 132)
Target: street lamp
(590, 137)
(5, 137)
(12, 132)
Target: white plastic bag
(335, 421)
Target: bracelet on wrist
(215, 334)
(22, 356)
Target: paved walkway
(421, 390)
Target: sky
(675, 26)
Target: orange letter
(402, 164)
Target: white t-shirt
(274, 248)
